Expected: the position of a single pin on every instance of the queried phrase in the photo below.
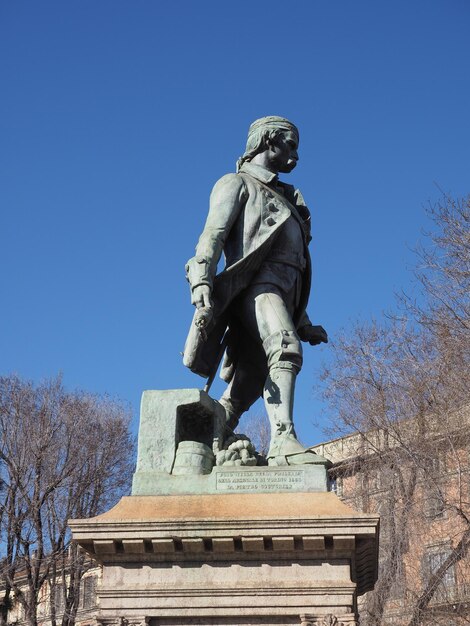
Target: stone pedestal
(231, 559)
(225, 545)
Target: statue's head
(275, 134)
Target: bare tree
(63, 455)
(443, 269)
(401, 386)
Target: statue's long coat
(245, 216)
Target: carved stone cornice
(233, 527)
(122, 621)
(328, 620)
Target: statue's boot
(233, 410)
(244, 389)
(285, 448)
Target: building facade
(417, 479)
(87, 606)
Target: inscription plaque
(260, 480)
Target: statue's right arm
(226, 202)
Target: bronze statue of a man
(254, 309)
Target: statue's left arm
(307, 331)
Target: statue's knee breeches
(283, 350)
(266, 313)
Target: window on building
(21, 612)
(59, 600)
(374, 480)
(21, 607)
(336, 485)
(398, 586)
(88, 599)
(435, 466)
(434, 558)
(434, 503)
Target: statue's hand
(313, 335)
(201, 296)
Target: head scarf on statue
(261, 131)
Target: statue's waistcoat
(251, 238)
(247, 244)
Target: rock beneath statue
(238, 451)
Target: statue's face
(283, 152)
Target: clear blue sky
(118, 117)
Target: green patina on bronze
(254, 311)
